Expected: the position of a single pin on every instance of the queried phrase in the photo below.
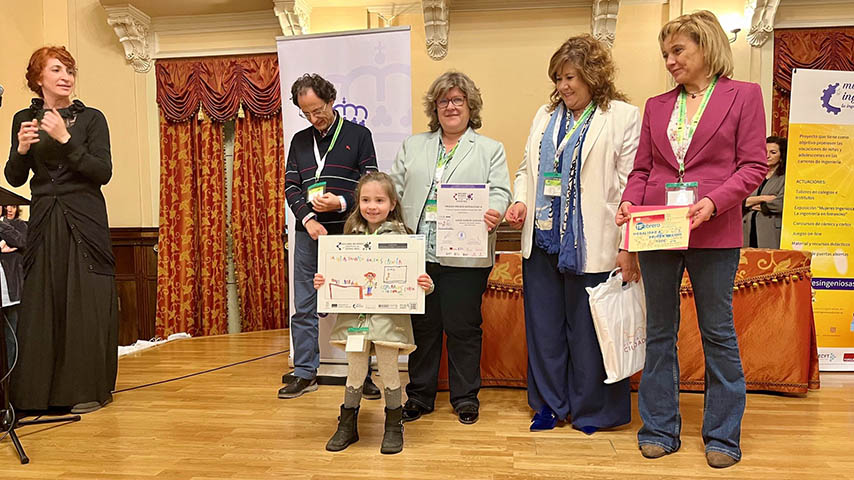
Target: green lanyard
(681, 133)
(583, 118)
(444, 158)
(321, 161)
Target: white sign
(370, 273)
(461, 231)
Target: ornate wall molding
(294, 16)
(604, 23)
(390, 12)
(762, 23)
(436, 27)
(132, 26)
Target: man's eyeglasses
(314, 113)
(457, 101)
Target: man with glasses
(324, 165)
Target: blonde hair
(356, 223)
(441, 86)
(705, 30)
(595, 67)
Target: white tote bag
(619, 316)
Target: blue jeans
(712, 273)
(304, 330)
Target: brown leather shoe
(650, 450)
(719, 460)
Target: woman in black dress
(68, 328)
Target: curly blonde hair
(593, 61)
(441, 86)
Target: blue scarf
(564, 237)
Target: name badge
(316, 190)
(551, 184)
(356, 339)
(431, 211)
(681, 193)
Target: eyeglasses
(314, 113)
(457, 101)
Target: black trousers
(454, 309)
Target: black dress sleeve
(17, 169)
(91, 156)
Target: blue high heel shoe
(545, 419)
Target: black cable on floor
(202, 372)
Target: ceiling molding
(389, 12)
(604, 21)
(762, 23)
(294, 16)
(436, 27)
(492, 5)
(132, 27)
(218, 22)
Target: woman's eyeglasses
(457, 101)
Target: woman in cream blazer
(565, 201)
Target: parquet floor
(228, 424)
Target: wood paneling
(136, 281)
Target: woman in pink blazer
(707, 135)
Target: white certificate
(370, 273)
(460, 229)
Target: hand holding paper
(657, 228)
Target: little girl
(389, 335)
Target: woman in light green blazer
(451, 152)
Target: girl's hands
(318, 281)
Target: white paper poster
(370, 274)
(461, 231)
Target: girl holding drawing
(386, 335)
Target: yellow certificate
(657, 228)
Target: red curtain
(258, 221)
(191, 266)
(815, 48)
(191, 253)
(220, 84)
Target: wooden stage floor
(228, 424)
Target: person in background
(68, 328)
(763, 209)
(13, 241)
(451, 152)
(578, 156)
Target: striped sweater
(352, 157)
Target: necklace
(694, 94)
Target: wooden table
(772, 306)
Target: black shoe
(468, 414)
(289, 378)
(89, 407)
(412, 411)
(348, 431)
(370, 390)
(393, 435)
(295, 389)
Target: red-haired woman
(68, 330)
